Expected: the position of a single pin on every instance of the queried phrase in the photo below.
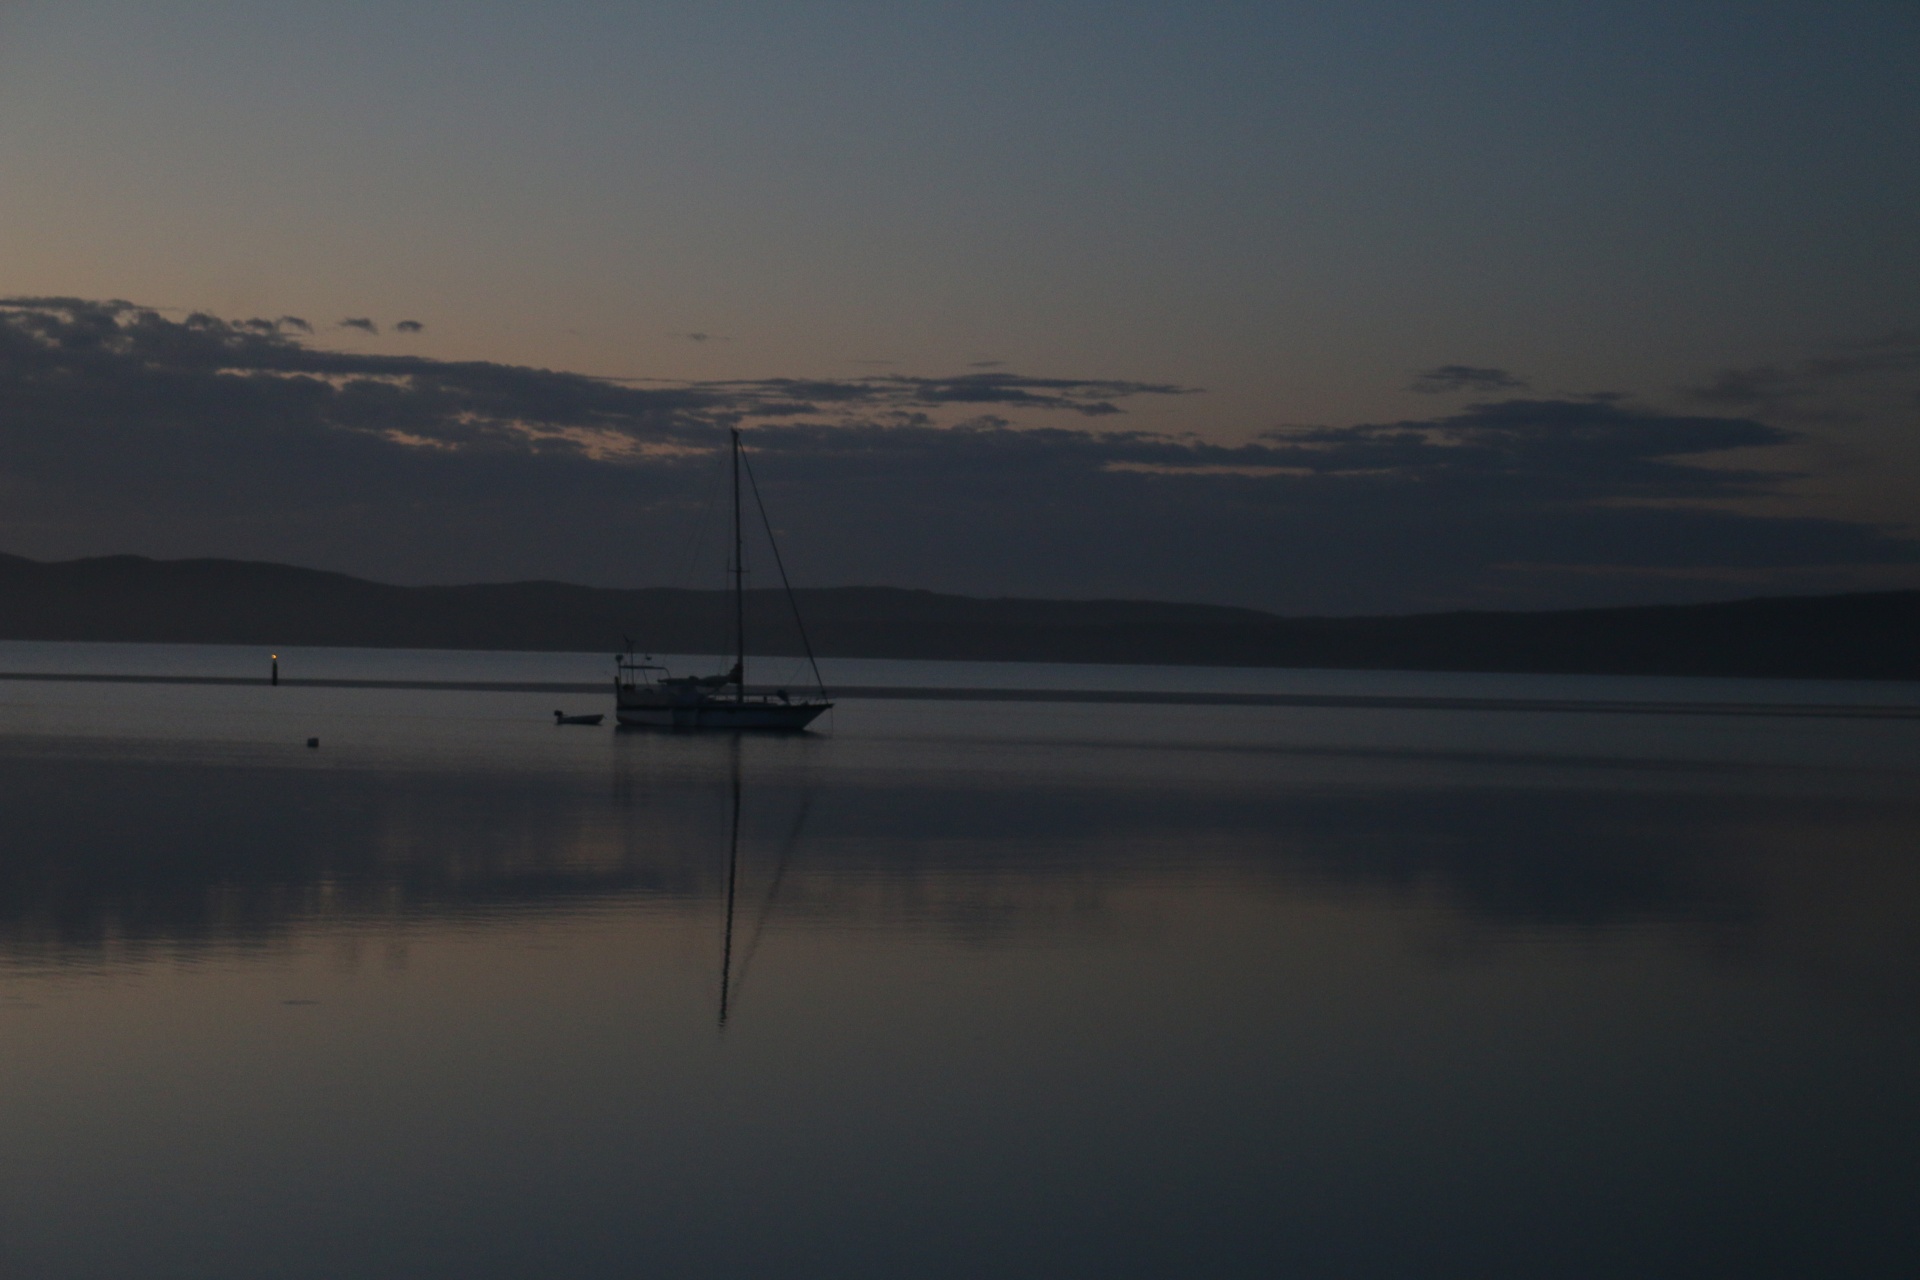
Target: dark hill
(1861, 636)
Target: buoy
(313, 742)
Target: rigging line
(805, 642)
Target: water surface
(1011, 989)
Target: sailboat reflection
(730, 980)
(733, 886)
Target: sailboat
(646, 694)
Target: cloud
(126, 430)
(293, 324)
(1464, 377)
(701, 337)
(1089, 397)
(1798, 388)
(1587, 450)
(408, 326)
(359, 322)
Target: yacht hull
(638, 709)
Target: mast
(739, 583)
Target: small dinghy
(561, 717)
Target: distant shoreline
(1861, 636)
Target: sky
(1319, 308)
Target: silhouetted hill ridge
(131, 598)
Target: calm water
(1010, 989)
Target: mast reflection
(733, 977)
(733, 881)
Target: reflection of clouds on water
(124, 855)
(116, 859)
(1540, 858)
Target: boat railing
(626, 669)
